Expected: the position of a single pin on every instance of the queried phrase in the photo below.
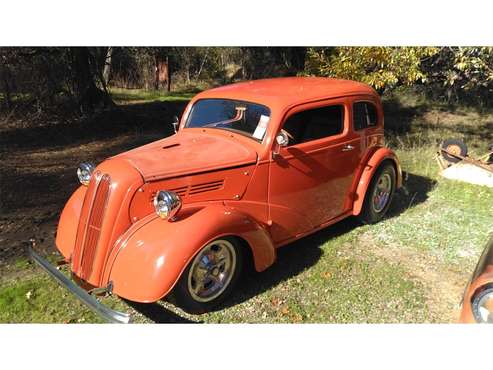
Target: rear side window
(364, 115)
(315, 124)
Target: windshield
(235, 115)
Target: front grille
(90, 225)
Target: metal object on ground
(457, 149)
(105, 312)
(454, 151)
(460, 167)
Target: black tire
(183, 297)
(454, 146)
(370, 213)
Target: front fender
(369, 170)
(69, 222)
(148, 261)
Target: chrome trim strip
(96, 247)
(105, 312)
(98, 176)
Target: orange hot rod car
(477, 303)
(252, 166)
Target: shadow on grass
(305, 253)
(299, 255)
(401, 120)
(142, 117)
(413, 192)
(159, 314)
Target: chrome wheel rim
(381, 195)
(212, 270)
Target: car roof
(286, 91)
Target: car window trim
(245, 134)
(352, 114)
(343, 101)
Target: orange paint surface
(230, 184)
(481, 277)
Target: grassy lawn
(133, 96)
(411, 267)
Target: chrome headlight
(482, 305)
(167, 204)
(84, 172)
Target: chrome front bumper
(89, 300)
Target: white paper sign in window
(261, 127)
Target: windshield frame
(240, 132)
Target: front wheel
(379, 194)
(210, 276)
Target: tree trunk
(202, 64)
(162, 73)
(88, 96)
(168, 86)
(107, 66)
(5, 79)
(298, 56)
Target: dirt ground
(39, 161)
(38, 174)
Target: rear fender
(148, 261)
(376, 159)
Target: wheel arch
(377, 159)
(149, 262)
(249, 259)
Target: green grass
(138, 95)
(39, 299)
(453, 223)
(411, 267)
(342, 287)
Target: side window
(364, 115)
(315, 124)
(372, 114)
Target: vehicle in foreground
(477, 303)
(253, 166)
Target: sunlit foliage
(380, 67)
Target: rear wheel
(210, 276)
(379, 194)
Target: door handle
(347, 148)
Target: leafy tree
(48, 76)
(461, 73)
(380, 67)
(263, 62)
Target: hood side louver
(209, 186)
(181, 191)
(191, 190)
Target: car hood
(188, 152)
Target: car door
(310, 179)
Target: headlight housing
(482, 305)
(167, 204)
(84, 172)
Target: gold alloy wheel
(381, 194)
(212, 270)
